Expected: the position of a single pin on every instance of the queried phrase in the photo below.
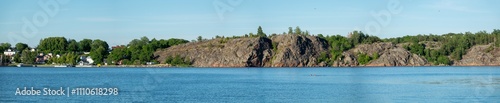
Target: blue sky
(119, 21)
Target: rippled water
(381, 84)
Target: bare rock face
(370, 49)
(398, 57)
(479, 55)
(298, 51)
(240, 52)
(349, 59)
(290, 51)
(390, 55)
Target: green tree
(72, 46)
(17, 58)
(177, 61)
(260, 32)
(297, 30)
(290, 30)
(199, 38)
(443, 60)
(118, 54)
(98, 55)
(21, 46)
(364, 59)
(338, 44)
(71, 58)
(53, 44)
(85, 45)
(4, 46)
(28, 57)
(417, 48)
(98, 44)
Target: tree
(99, 51)
(98, 55)
(28, 57)
(251, 34)
(199, 38)
(53, 44)
(70, 58)
(177, 61)
(260, 32)
(298, 31)
(21, 46)
(72, 46)
(118, 54)
(417, 48)
(4, 46)
(443, 60)
(99, 43)
(85, 45)
(364, 59)
(290, 30)
(17, 58)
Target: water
(382, 84)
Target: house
(85, 60)
(9, 52)
(40, 59)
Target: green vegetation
(260, 33)
(364, 58)
(140, 51)
(21, 46)
(339, 44)
(28, 57)
(178, 61)
(454, 45)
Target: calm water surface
(382, 84)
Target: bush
(443, 60)
(364, 59)
(177, 61)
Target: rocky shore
(304, 51)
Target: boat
(24, 65)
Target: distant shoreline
(157, 66)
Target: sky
(120, 21)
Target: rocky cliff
(240, 52)
(480, 55)
(304, 51)
(298, 51)
(389, 55)
(279, 51)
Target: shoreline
(161, 66)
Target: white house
(9, 52)
(89, 59)
(85, 60)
